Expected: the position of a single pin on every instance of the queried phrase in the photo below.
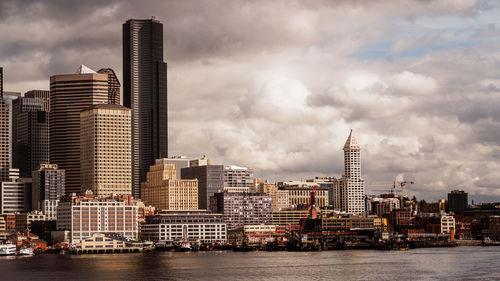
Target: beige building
(164, 191)
(106, 150)
(69, 95)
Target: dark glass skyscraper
(30, 135)
(145, 92)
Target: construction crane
(312, 212)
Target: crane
(312, 212)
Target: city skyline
(281, 97)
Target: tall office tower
(238, 179)
(145, 92)
(1, 82)
(5, 144)
(164, 191)
(47, 188)
(70, 94)
(30, 135)
(349, 191)
(113, 85)
(106, 151)
(12, 194)
(210, 180)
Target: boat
(185, 247)
(25, 251)
(8, 249)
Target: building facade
(176, 226)
(69, 95)
(349, 190)
(145, 92)
(41, 94)
(48, 186)
(30, 135)
(5, 144)
(12, 194)
(238, 179)
(457, 201)
(106, 150)
(164, 191)
(87, 215)
(210, 180)
(179, 162)
(242, 208)
(113, 85)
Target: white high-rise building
(349, 191)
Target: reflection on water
(461, 263)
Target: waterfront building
(238, 179)
(177, 226)
(242, 208)
(48, 186)
(252, 235)
(447, 224)
(24, 220)
(210, 180)
(145, 92)
(270, 189)
(106, 243)
(30, 135)
(12, 194)
(69, 95)
(349, 190)
(42, 94)
(345, 223)
(86, 215)
(180, 162)
(457, 201)
(113, 85)
(164, 191)
(106, 151)
(286, 217)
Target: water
(461, 263)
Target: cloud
(277, 85)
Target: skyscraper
(349, 191)
(70, 94)
(4, 140)
(113, 85)
(106, 158)
(30, 135)
(1, 82)
(145, 92)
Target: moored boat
(8, 249)
(25, 251)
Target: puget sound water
(460, 263)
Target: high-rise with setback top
(145, 92)
(69, 95)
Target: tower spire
(351, 143)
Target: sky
(278, 85)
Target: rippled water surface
(461, 263)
